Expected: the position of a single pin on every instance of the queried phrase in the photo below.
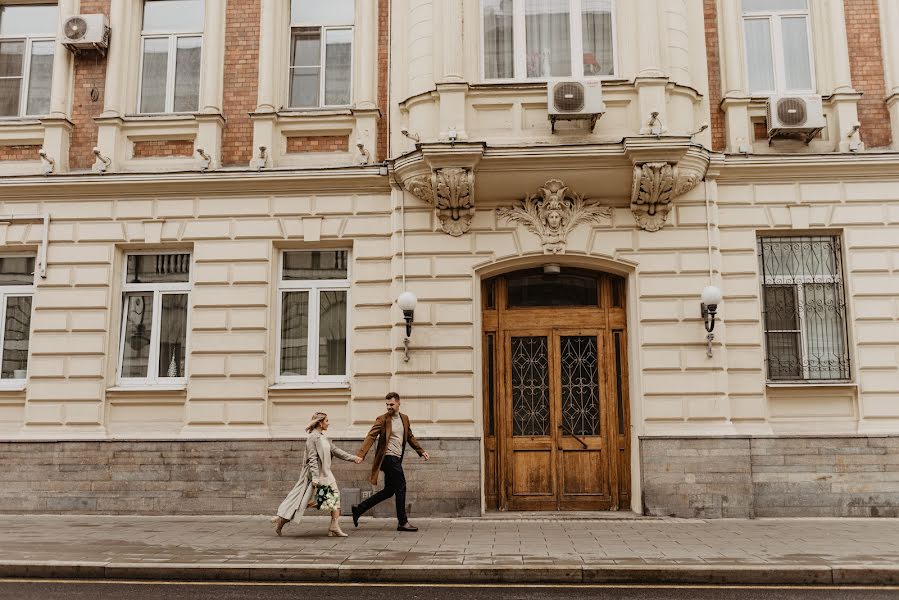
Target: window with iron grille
(804, 308)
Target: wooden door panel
(532, 473)
(579, 470)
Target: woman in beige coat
(317, 485)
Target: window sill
(815, 384)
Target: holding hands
(357, 460)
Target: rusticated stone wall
(788, 476)
(217, 477)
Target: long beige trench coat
(316, 470)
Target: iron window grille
(804, 308)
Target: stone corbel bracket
(657, 183)
(443, 175)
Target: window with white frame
(804, 308)
(171, 51)
(541, 39)
(16, 291)
(154, 321)
(321, 53)
(312, 337)
(27, 45)
(777, 39)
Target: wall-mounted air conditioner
(86, 32)
(574, 99)
(795, 116)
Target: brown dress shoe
(407, 526)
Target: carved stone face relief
(451, 191)
(552, 213)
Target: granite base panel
(218, 477)
(746, 477)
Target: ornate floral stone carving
(553, 212)
(451, 191)
(656, 185)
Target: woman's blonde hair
(315, 421)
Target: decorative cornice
(451, 191)
(657, 183)
(553, 212)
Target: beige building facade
(219, 240)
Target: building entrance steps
(484, 550)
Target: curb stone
(527, 574)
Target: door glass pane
(316, 12)
(294, 332)
(332, 333)
(173, 16)
(759, 62)
(797, 67)
(153, 77)
(580, 385)
(173, 335)
(548, 36)
(530, 386)
(825, 329)
(138, 329)
(39, 78)
(29, 20)
(338, 56)
(187, 74)
(317, 264)
(596, 21)
(541, 289)
(498, 39)
(15, 337)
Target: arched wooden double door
(556, 420)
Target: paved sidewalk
(793, 551)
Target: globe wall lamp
(711, 298)
(407, 302)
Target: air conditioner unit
(574, 99)
(86, 32)
(795, 115)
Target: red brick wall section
(163, 148)
(713, 59)
(241, 79)
(866, 64)
(383, 62)
(20, 152)
(90, 78)
(318, 143)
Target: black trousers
(394, 485)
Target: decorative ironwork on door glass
(804, 308)
(580, 384)
(530, 386)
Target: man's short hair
(392, 396)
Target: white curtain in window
(596, 19)
(338, 58)
(548, 37)
(153, 78)
(187, 74)
(772, 5)
(39, 78)
(759, 59)
(12, 56)
(498, 39)
(797, 67)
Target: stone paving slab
(785, 551)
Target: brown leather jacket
(380, 431)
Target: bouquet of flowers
(326, 498)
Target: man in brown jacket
(392, 432)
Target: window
(778, 50)
(154, 319)
(16, 290)
(804, 308)
(171, 48)
(538, 39)
(321, 53)
(312, 337)
(27, 45)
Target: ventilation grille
(791, 112)
(568, 96)
(75, 28)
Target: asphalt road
(86, 590)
